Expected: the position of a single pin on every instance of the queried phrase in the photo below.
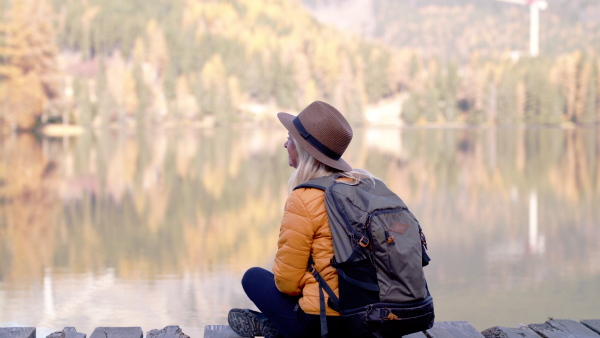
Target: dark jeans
(283, 310)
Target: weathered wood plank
(415, 335)
(593, 324)
(563, 328)
(67, 332)
(547, 331)
(219, 331)
(117, 332)
(71, 332)
(452, 330)
(17, 332)
(507, 332)
(573, 327)
(173, 331)
(56, 334)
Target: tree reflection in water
(117, 228)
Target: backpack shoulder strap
(322, 183)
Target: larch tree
(29, 75)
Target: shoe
(248, 323)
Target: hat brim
(287, 121)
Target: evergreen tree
(411, 110)
(507, 108)
(536, 86)
(81, 92)
(448, 82)
(432, 105)
(376, 81)
(587, 90)
(591, 108)
(105, 104)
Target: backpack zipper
(368, 228)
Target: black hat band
(314, 142)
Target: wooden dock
(553, 328)
(100, 332)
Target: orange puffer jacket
(305, 229)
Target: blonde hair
(309, 168)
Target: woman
(288, 298)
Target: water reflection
(152, 229)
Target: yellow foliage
(191, 13)
(212, 17)
(88, 15)
(22, 100)
(311, 93)
(115, 73)
(129, 94)
(30, 64)
(157, 51)
(260, 40)
(139, 51)
(569, 79)
(213, 72)
(325, 60)
(186, 102)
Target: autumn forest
(98, 63)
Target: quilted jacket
(305, 230)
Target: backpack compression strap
(321, 183)
(334, 301)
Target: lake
(156, 228)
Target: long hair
(308, 168)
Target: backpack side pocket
(357, 283)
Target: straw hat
(322, 131)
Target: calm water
(155, 229)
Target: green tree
(589, 83)
(448, 83)
(411, 110)
(431, 110)
(216, 95)
(507, 97)
(376, 81)
(84, 105)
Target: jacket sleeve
(294, 245)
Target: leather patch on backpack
(399, 227)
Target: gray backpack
(379, 252)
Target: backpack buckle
(363, 241)
(423, 239)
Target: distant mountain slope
(222, 62)
(217, 57)
(459, 28)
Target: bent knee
(256, 276)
